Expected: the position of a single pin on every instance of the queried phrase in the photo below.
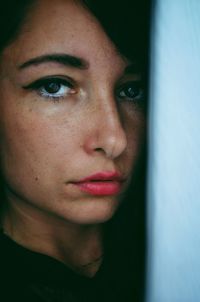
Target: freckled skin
(45, 145)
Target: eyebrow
(62, 59)
(133, 68)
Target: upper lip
(103, 176)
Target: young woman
(72, 125)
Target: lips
(101, 184)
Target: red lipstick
(101, 184)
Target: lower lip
(100, 188)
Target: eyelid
(126, 83)
(130, 78)
(41, 81)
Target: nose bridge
(110, 134)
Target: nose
(107, 135)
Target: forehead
(61, 26)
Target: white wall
(174, 159)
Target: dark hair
(12, 16)
(126, 22)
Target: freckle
(36, 178)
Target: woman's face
(71, 124)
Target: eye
(52, 87)
(131, 91)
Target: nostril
(99, 149)
(108, 149)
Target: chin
(93, 213)
(96, 218)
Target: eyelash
(130, 91)
(134, 88)
(65, 85)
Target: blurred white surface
(174, 155)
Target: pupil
(52, 87)
(132, 91)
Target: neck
(79, 247)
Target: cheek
(35, 148)
(135, 127)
